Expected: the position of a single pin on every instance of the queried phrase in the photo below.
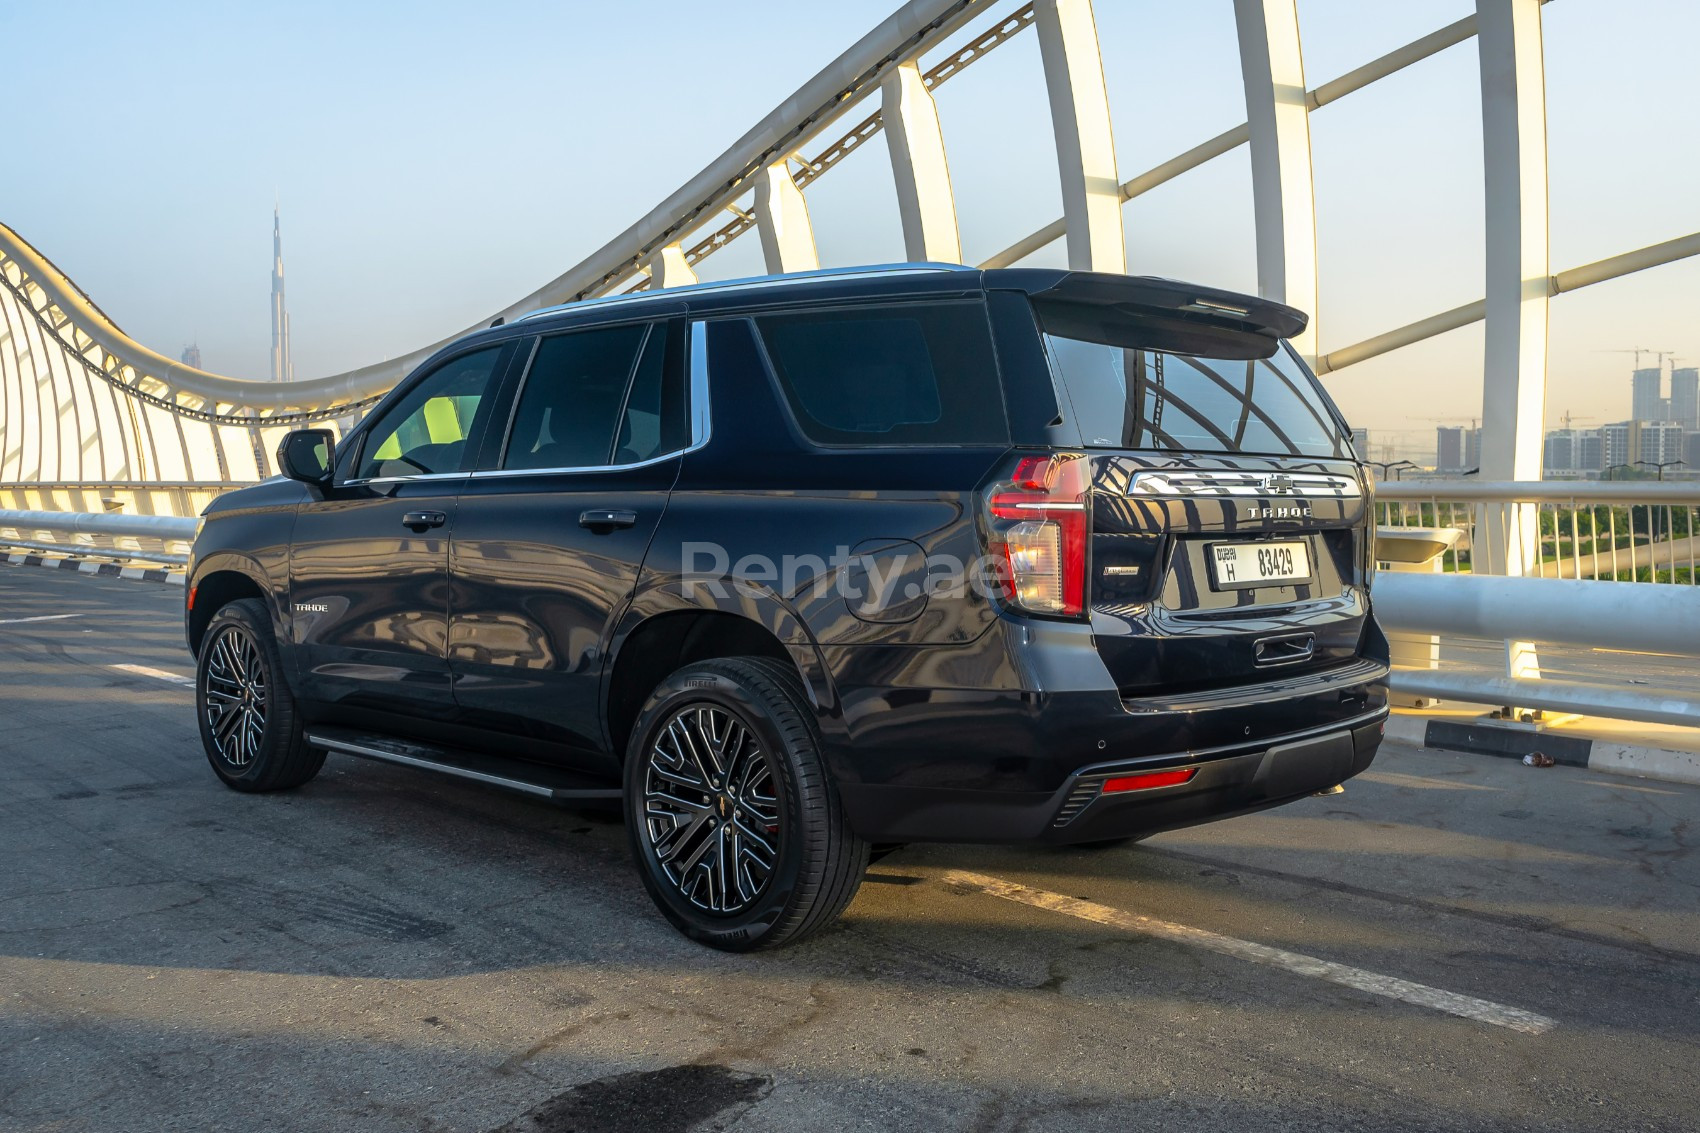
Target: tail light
(1038, 532)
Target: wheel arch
(660, 633)
(218, 581)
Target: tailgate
(1223, 571)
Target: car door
(369, 559)
(550, 537)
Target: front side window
(573, 409)
(425, 433)
(1144, 384)
(920, 373)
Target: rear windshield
(1157, 384)
(914, 374)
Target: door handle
(603, 519)
(420, 520)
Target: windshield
(1141, 386)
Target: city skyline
(1660, 431)
(395, 247)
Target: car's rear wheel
(733, 820)
(249, 726)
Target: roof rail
(749, 281)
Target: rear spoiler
(1227, 310)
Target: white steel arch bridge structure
(88, 414)
(83, 402)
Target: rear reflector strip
(1149, 780)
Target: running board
(541, 780)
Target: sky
(435, 161)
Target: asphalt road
(1457, 942)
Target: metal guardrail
(1563, 640)
(1663, 619)
(99, 534)
(1645, 531)
(132, 497)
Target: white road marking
(1467, 1006)
(156, 674)
(38, 618)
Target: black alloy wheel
(711, 808)
(734, 822)
(249, 726)
(234, 703)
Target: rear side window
(916, 374)
(1149, 384)
(570, 408)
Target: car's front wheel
(733, 819)
(249, 725)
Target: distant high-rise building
(1559, 452)
(1646, 401)
(1590, 451)
(1457, 449)
(1658, 442)
(192, 355)
(1448, 448)
(283, 370)
(1360, 443)
(1617, 448)
(1580, 450)
(1685, 397)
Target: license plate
(1236, 566)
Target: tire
(692, 819)
(249, 726)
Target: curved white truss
(83, 402)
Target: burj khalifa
(283, 370)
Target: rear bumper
(1031, 767)
(1224, 784)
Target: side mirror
(305, 455)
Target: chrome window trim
(1302, 485)
(702, 427)
(701, 419)
(406, 479)
(696, 363)
(666, 456)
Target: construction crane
(1635, 350)
(1569, 417)
(1661, 355)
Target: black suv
(797, 569)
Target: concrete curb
(1484, 738)
(89, 566)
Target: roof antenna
(499, 320)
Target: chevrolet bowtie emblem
(1278, 483)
